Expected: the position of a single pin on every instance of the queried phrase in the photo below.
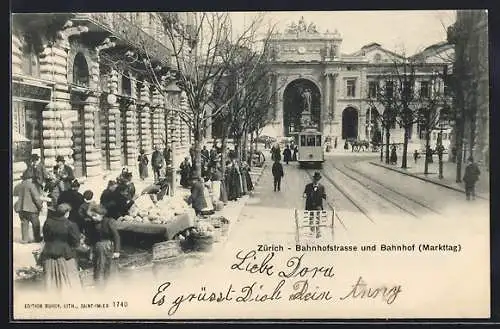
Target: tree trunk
(404, 161)
(459, 148)
(382, 145)
(225, 133)
(197, 151)
(387, 138)
(244, 146)
(427, 145)
(251, 148)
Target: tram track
(374, 191)
(386, 189)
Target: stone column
(57, 117)
(144, 117)
(325, 115)
(17, 55)
(92, 153)
(114, 147)
(159, 129)
(131, 134)
(336, 127)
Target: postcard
(248, 165)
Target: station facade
(341, 84)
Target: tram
(310, 145)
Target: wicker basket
(202, 242)
(166, 249)
(135, 260)
(216, 222)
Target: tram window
(318, 140)
(311, 140)
(302, 140)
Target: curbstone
(426, 179)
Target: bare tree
(201, 54)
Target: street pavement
(372, 206)
(449, 175)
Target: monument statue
(306, 98)
(302, 25)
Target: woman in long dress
(143, 165)
(58, 256)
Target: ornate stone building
(341, 85)
(70, 98)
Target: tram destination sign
(31, 92)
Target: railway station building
(341, 85)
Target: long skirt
(223, 192)
(216, 191)
(244, 186)
(61, 275)
(143, 171)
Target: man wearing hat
(64, 177)
(314, 193)
(471, 176)
(40, 174)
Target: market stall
(161, 218)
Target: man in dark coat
(167, 154)
(75, 199)
(197, 199)
(185, 168)
(157, 163)
(40, 173)
(314, 193)
(277, 175)
(28, 206)
(64, 177)
(471, 176)
(287, 154)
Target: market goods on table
(164, 211)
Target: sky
(401, 31)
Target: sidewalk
(449, 175)
(22, 253)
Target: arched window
(80, 71)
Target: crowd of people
(78, 224)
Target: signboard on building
(31, 92)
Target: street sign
(31, 92)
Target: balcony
(128, 31)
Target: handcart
(310, 222)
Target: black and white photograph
(250, 165)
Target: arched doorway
(294, 104)
(350, 123)
(81, 78)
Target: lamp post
(444, 117)
(173, 92)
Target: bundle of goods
(199, 238)
(29, 273)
